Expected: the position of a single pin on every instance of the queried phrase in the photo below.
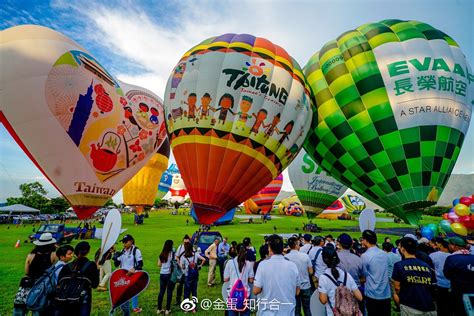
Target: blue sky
(140, 42)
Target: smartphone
(469, 303)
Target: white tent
(18, 208)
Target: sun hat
(45, 239)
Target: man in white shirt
(276, 281)
(179, 253)
(130, 258)
(305, 269)
(307, 245)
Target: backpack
(346, 304)
(39, 296)
(176, 272)
(238, 293)
(193, 271)
(72, 288)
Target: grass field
(150, 238)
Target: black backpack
(73, 288)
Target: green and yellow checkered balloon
(394, 102)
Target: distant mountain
(458, 185)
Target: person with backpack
(337, 289)
(305, 270)
(414, 282)
(40, 299)
(75, 283)
(276, 279)
(239, 273)
(165, 261)
(189, 264)
(130, 259)
(42, 257)
(180, 282)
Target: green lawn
(150, 238)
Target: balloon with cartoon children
(238, 110)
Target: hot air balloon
(227, 218)
(141, 190)
(314, 187)
(165, 181)
(87, 133)
(353, 203)
(262, 202)
(291, 206)
(178, 189)
(394, 104)
(237, 110)
(334, 211)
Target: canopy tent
(18, 208)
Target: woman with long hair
(165, 262)
(332, 278)
(239, 268)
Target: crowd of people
(422, 277)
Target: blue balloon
(427, 232)
(455, 202)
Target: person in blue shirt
(222, 253)
(443, 297)
(414, 282)
(459, 269)
(375, 272)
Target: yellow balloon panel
(142, 188)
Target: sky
(140, 42)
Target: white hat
(411, 236)
(45, 239)
(423, 240)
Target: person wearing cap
(414, 282)
(305, 270)
(459, 269)
(375, 272)
(443, 297)
(420, 253)
(91, 272)
(349, 262)
(130, 258)
(37, 262)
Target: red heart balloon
(123, 288)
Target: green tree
(32, 195)
(110, 203)
(59, 204)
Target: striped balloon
(353, 203)
(262, 202)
